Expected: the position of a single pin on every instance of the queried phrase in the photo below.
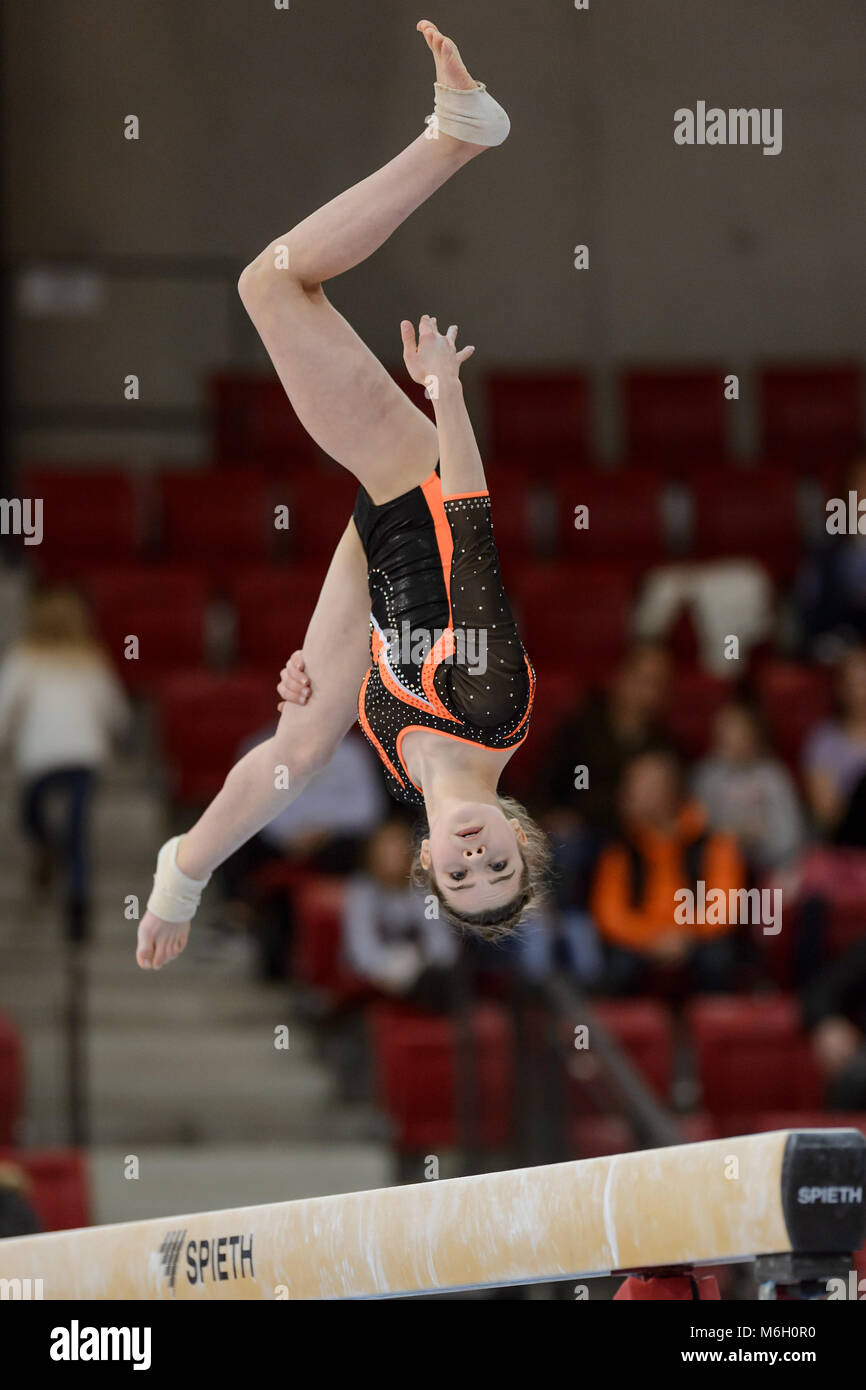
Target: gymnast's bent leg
(343, 396)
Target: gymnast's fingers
(407, 333)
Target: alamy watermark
(738, 125)
(22, 516)
(716, 907)
(410, 646)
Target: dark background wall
(251, 116)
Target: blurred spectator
(834, 1011)
(746, 792)
(561, 940)
(830, 593)
(17, 1215)
(60, 705)
(389, 939)
(834, 759)
(618, 725)
(719, 596)
(665, 848)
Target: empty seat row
(671, 414)
(11, 1080)
(751, 1056)
(218, 519)
(224, 519)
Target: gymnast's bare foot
(450, 67)
(451, 72)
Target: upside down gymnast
(418, 556)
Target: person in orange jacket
(665, 891)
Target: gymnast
(418, 551)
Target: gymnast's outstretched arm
(436, 361)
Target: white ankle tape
(472, 116)
(175, 897)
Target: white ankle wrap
(472, 116)
(175, 897)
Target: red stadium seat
(644, 1031)
(795, 698)
(316, 949)
(751, 1054)
(574, 617)
(11, 1080)
(163, 606)
(512, 504)
(416, 1064)
(220, 519)
(696, 698)
(90, 518)
(321, 500)
(203, 718)
(747, 512)
(596, 1136)
(810, 413)
(625, 519)
(535, 417)
(768, 1120)
(253, 419)
(58, 1192)
(274, 604)
(559, 695)
(674, 416)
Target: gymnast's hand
(435, 357)
(294, 686)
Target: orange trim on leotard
(460, 496)
(365, 725)
(530, 697)
(432, 491)
(436, 655)
(442, 733)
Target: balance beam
(789, 1193)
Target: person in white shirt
(60, 707)
(747, 792)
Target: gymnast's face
(474, 854)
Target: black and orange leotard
(445, 652)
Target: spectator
(60, 705)
(834, 1011)
(830, 593)
(665, 848)
(708, 597)
(747, 793)
(834, 759)
(389, 937)
(617, 726)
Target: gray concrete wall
(251, 116)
